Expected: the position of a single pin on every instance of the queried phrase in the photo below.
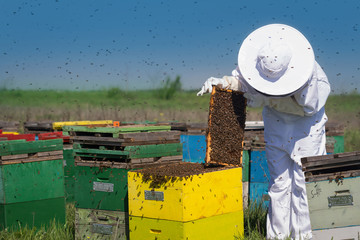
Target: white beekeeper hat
(276, 59)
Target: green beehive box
(31, 181)
(101, 188)
(112, 131)
(17, 147)
(101, 224)
(32, 213)
(132, 152)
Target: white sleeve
(312, 97)
(254, 99)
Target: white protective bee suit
(294, 123)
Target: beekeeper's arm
(235, 82)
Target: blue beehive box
(258, 193)
(194, 148)
(259, 171)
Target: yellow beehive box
(225, 226)
(60, 125)
(14, 133)
(186, 198)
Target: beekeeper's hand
(227, 82)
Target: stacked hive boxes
(332, 185)
(45, 130)
(199, 205)
(255, 177)
(103, 157)
(69, 159)
(31, 183)
(258, 170)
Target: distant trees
(169, 88)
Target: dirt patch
(158, 176)
(226, 127)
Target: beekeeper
(277, 70)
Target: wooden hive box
(191, 206)
(102, 188)
(58, 126)
(31, 183)
(101, 224)
(210, 192)
(224, 226)
(31, 170)
(332, 185)
(38, 127)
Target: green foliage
(352, 140)
(343, 103)
(114, 92)
(255, 220)
(169, 88)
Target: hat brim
(300, 67)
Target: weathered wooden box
(333, 192)
(101, 224)
(185, 198)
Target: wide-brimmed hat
(276, 59)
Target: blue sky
(93, 44)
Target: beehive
(101, 224)
(181, 199)
(101, 188)
(332, 186)
(225, 226)
(31, 183)
(188, 198)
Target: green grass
(162, 104)
(102, 98)
(254, 225)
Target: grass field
(149, 105)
